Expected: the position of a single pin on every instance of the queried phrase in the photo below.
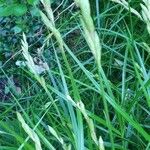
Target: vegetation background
(74, 77)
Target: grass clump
(86, 86)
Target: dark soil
(3, 95)
(5, 88)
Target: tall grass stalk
(93, 41)
(76, 122)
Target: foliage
(15, 8)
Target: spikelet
(146, 13)
(127, 6)
(30, 132)
(27, 56)
(91, 36)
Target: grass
(94, 90)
